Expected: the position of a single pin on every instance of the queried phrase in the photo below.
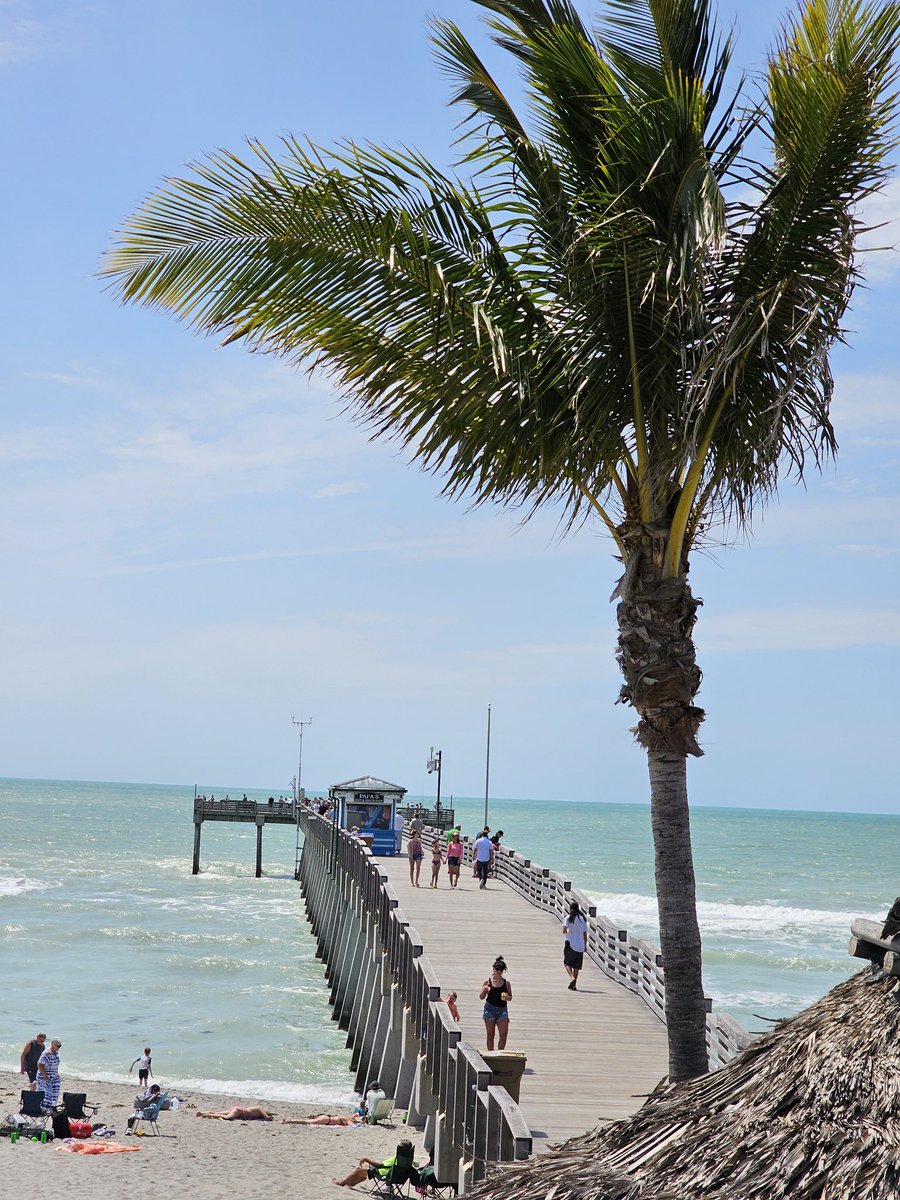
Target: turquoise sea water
(108, 942)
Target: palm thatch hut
(808, 1111)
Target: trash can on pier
(507, 1069)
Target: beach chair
(149, 1115)
(32, 1108)
(430, 1185)
(76, 1106)
(381, 1111)
(402, 1174)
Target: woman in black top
(495, 992)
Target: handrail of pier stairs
(384, 993)
(633, 962)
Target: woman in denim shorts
(495, 992)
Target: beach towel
(96, 1147)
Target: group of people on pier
(484, 851)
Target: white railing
(634, 963)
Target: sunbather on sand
(359, 1116)
(256, 1113)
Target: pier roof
(367, 783)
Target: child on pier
(437, 858)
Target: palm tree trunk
(658, 660)
(679, 932)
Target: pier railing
(385, 993)
(634, 963)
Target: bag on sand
(80, 1129)
(60, 1125)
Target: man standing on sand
(31, 1052)
(483, 852)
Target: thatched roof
(808, 1111)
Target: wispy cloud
(20, 37)
(866, 404)
(338, 489)
(799, 629)
(879, 255)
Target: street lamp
(299, 725)
(434, 764)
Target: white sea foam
(787, 1001)
(18, 885)
(769, 920)
(262, 1089)
(250, 1089)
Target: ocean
(108, 941)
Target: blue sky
(197, 546)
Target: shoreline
(209, 1160)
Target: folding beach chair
(32, 1108)
(430, 1185)
(76, 1107)
(147, 1114)
(381, 1111)
(402, 1174)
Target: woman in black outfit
(495, 992)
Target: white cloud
(799, 629)
(864, 405)
(338, 489)
(20, 38)
(879, 255)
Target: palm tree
(622, 303)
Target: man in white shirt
(484, 852)
(575, 929)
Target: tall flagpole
(487, 767)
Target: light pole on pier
(434, 764)
(487, 768)
(299, 725)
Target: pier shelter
(370, 804)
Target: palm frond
(585, 317)
(394, 277)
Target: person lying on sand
(359, 1116)
(256, 1113)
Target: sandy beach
(209, 1160)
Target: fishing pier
(392, 954)
(247, 812)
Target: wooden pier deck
(592, 1055)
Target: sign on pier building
(372, 805)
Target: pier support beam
(198, 825)
(260, 822)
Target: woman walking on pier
(495, 992)
(454, 858)
(415, 852)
